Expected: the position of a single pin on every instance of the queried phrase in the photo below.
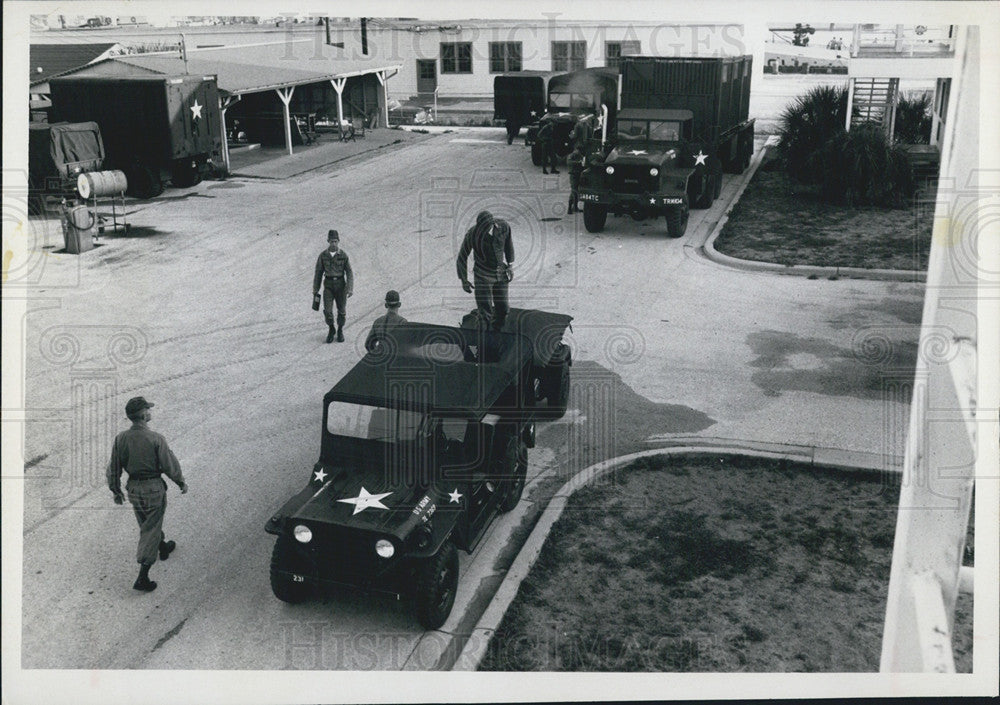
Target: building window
(505, 56)
(614, 51)
(569, 56)
(456, 57)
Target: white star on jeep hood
(637, 152)
(365, 500)
(196, 110)
(320, 475)
(454, 496)
(700, 158)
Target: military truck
(571, 96)
(424, 442)
(155, 128)
(57, 155)
(519, 99)
(683, 122)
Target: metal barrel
(101, 183)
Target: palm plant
(913, 120)
(806, 125)
(862, 167)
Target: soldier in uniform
(547, 143)
(333, 270)
(582, 133)
(576, 162)
(386, 322)
(145, 456)
(491, 243)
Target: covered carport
(256, 75)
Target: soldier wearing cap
(490, 242)
(386, 322)
(333, 271)
(146, 457)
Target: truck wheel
(677, 221)
(536, 154)
(700, 190)
(184, 175)
(144, 182)
(284, 561)
(717, 184)
(594, 217)
(516, 470)
(437, 581)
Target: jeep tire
(515, 470)
(594, 217)
(284, 561)
(700, 189)
(536, 154)
(677, 221)
(556, 383)
(436, 584)
(143, 182)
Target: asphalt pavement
(204, 308)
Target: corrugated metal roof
(49, 60)
(255, 68)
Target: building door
(426, 75)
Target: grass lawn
(779, 221)
(721, 564)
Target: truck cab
(423, 443)
(653, 168)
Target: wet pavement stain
(141, 231)
(227, 184)
(907, 311)
(607, 418)
(788, 362)
(183, 197)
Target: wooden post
(338, 85)
(224, 105)
(286, 98)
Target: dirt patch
(781, 222)
(717, 564)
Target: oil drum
(95, 184)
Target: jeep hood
(371, 499)
(641, 155)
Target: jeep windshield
(567, 102)
(376, 423)
(649, 130)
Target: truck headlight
(384, 548)
(610, 170)
(654, 171)
(302, 533)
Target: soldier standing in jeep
(490, 241)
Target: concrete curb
(478, 640)
(802, 270)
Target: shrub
(861, 167)
(913, 120)
(806, 125)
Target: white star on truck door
(365, 500)
(454, 496)
(700, 158)
(196, 110)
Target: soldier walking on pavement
(333, 271)
(384, 323)
(145, 456)
(582, 133)
(491, 243)
(546, 141)
(576, 162)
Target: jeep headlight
(609, 170)
(384, 548)
(654, 171)
(302, 533)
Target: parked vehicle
(57, 155)
(424, 442)
(519, 99)
(155, 128)
(682, 123)
(571, 96)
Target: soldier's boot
(572, 207)
(143, 583)
(331, 334)
(340, 328)
(166, 548)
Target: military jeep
(424, 443)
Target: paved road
(204, 309)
